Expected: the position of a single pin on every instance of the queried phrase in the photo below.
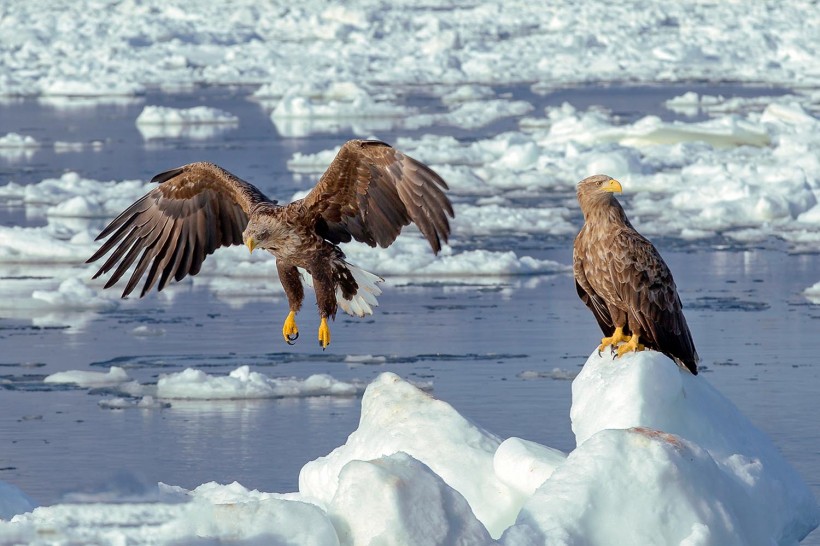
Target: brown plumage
(369, 193)
(624, 281)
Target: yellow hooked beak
(613, 186)
(250, 242)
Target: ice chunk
(113, 377)
(664, 458)
(397, 416)
(242, 383)
(396, 501)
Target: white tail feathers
(365, 299)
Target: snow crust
(661, 458)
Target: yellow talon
(631, 346)
(324, 333)
(290, 331)
(617, 337)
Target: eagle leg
(632, 345)
(289, 330)
(324, 334)
(613, 341)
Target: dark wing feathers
(194, 210)
(645, 285)
(371, 191)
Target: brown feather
(203, 205)
(371, 191)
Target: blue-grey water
(753, 328)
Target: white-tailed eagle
(369, 193)
(624, 281)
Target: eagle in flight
(623, 280)
(368, 193)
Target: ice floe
(113, 377)
(16, 147)
(194, 384)
(199, 122)
(813, 293)
(242, 383)
(13, 140)
(383, 45)
(661, 458)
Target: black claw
(292, 338)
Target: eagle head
(597, 190)
(266, 230)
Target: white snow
(661, 458)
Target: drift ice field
(472, 408)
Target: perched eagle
(369, 193)
(624, 281)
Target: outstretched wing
(371, 191)
(647, 288)
(194, 210)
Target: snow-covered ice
(661, 458)
(114, 376)
(55, 48)
(242, 383)
(813, 293)
(195, 384)
(199, 122)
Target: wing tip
(167, 175)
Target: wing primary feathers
(146, 257)
(128, 215)
(161, 258)
(194, 210)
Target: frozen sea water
(515, 338)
